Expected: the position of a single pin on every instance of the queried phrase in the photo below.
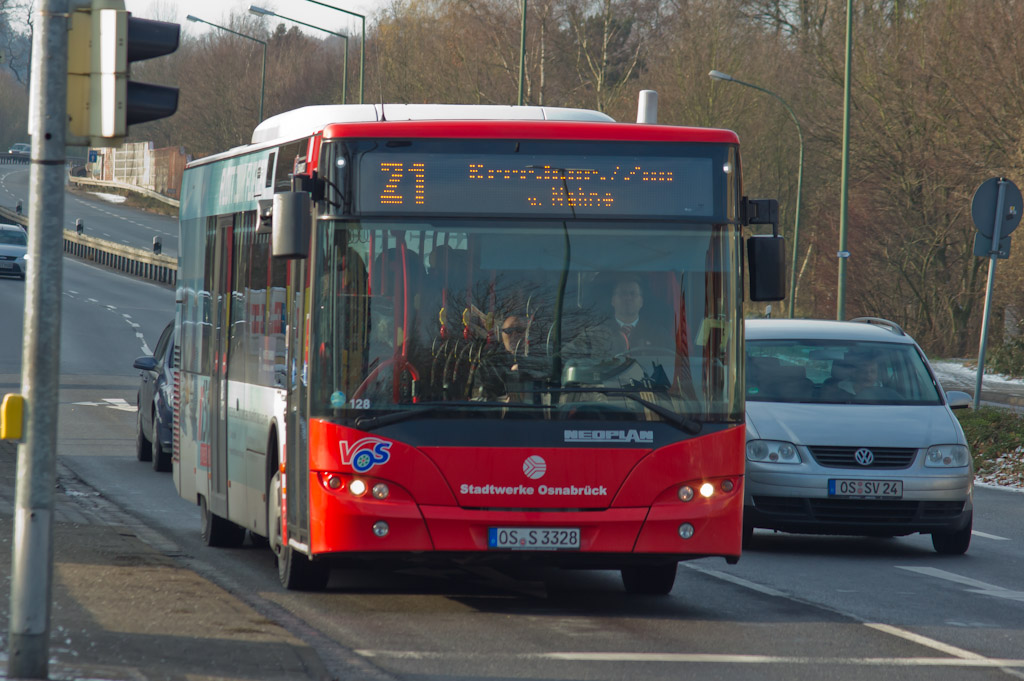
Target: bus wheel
(296, 571)
(219, 531)
(649, 580)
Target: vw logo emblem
(864, 456)
(535, 467)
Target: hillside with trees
(936, 102)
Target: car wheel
(161, 458)
(953, 543)
(296, 571)
(143, 447)
(217, 531)
(649, 580)
(748, 535)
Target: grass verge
(996, 439)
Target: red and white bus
(400, 334)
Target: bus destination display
(562, 186)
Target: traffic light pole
(32, 549)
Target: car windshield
(838, 372)
(14, 237)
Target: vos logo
(364, 454)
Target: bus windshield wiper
(687, 425)
(425, 409)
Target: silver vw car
(849, 432)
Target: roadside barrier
(137, 262)
(12, 159)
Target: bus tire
(219, 531)
(649, 580)
(296, 571)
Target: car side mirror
(958, 399)
(147, 363)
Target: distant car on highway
(13, 251)
(153, 437)
(849, 432)
(20, 149)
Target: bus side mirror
(291, 225)
(766, 262)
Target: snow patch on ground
(110, 198)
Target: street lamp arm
(718, 75)
(263, 77)
(362, 43)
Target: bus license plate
(534, 538)
(866, 489)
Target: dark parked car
(153, 440)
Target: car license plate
(866, 489)
(534, 538)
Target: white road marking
(961, 657)
(979, 587)
(112, 403)
(733, 579)
(976, 533)
(924, 641)
(696, 658)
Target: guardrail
(137, 262)
(89, 182)
(13, 159)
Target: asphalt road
(794, 608)
(100, 218)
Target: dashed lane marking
(977, 587)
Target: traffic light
(103, 41)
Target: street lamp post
(844, 182)
(263, 77)
(259, 11)
(718, 75)
(522, 54)
(362, 43)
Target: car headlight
(772, 451)
(947, 456)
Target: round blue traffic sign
(984, 206)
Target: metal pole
(32, 550)
(843, 254)
(263, 80)
(522, 54)
(796, 223)
(344, 75)
(993, 257)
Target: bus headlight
(380, 491)
(357, 487)
(685, 493)
(707, 489)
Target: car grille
(8, 257)
(874, 511)
(843, 457)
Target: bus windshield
(543, 319)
